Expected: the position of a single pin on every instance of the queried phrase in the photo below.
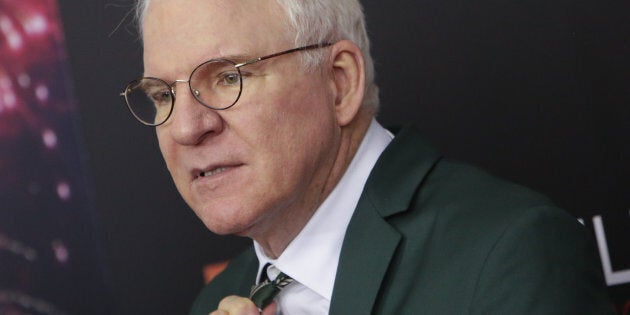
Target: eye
(161, 98)
(229, 78)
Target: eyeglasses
(216, 84)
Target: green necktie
(263, 293)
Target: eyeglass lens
(216, 84)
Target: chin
(226, 222)
(229, 229)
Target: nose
(191, 122)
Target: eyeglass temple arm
(248, 62)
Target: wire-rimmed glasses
(216, 84)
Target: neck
(280, 236)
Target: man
(284, 149)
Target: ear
(348, 78)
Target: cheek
(296, 125)
(302, 109)
(297, 138)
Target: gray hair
(319, 21)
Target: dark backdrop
(534, 91)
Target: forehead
(184, 33)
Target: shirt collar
(312, 257)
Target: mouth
(213, 172)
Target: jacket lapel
(370, 241)
(248, 277)
(364, 259)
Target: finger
(270, 309)
(236, 305)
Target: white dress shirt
(311, 258)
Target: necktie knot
(264, 292)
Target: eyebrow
(235, 57)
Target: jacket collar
(370, 241)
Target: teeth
(213, 172)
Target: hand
(236, 305)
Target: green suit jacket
(431, 236)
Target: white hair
(320, 21)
